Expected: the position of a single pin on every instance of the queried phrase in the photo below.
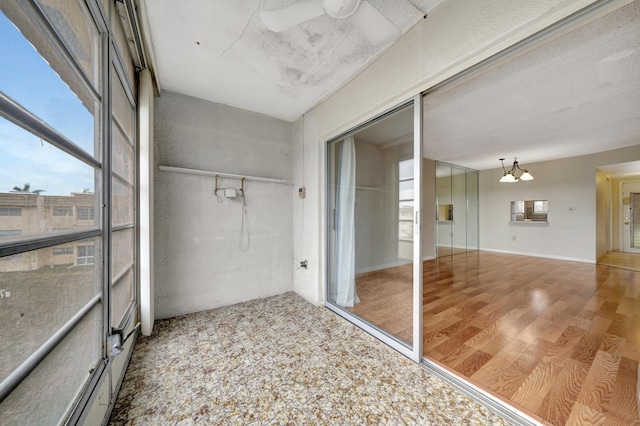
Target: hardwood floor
(621, 260)
(559, 340)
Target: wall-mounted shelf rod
(219, 174)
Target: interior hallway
(559, 340)
(280, 361)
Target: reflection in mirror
(371, 231)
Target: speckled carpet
(281, 361)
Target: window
(62, 251)
(10, 211)
(405, 200)
(53, 127)
(6, 234)
(67, 211)
(86, 255)
(85, 213)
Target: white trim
(382, 266)
(146, 200)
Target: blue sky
(27, 79)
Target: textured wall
(198, 264)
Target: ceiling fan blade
(291, 15)
(374, 25)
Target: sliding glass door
(373, 228)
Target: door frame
(625, 229)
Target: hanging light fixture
(510, 175)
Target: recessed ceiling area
(223, 52)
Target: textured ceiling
(221, 51)
(578, 94)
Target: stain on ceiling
(223, 52)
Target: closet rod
(222, 175)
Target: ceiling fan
(367, 19)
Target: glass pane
(459, 194)
(122, 207)
(46, 396)
(405, 211)
(28, 79)
(122, 252)
(406, 169)
(73, 23)
(121, 297)
(122, 156)
(43, 290)
(122, 108)
(445, 210)
(370, 237)
(42, 189)
(472, 211)
(406, 190)
(635, 219)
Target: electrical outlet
(302, 192)
(4, 294)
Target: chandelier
(510, 175)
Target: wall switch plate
(302, 192)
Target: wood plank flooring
(559, 340)
(621, 260)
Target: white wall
(569, 185)
(198, 264)
(454, 36)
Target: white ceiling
(578, 94)
(221, 51)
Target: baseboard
(546, 256)
(389, 265)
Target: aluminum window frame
(101, 162)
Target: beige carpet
(281, 361)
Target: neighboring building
(25, 215)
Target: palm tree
(27, 188)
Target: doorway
(630, 216)
(373, 227)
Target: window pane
(406, 190)
(406, 169)
(122, 208)
(405, 230)
(406, 210)
(121, 297)
(122, 251)
(122, 159)
(46, 288)
(122, 108)
(40, 185)
(74, 24)
(28, 79)
(48, 393)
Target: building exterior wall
(26, 215)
